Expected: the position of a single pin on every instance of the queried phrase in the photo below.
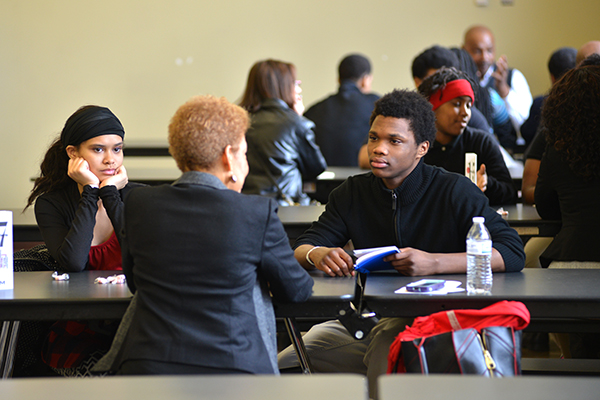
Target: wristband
(308, 254)
(93, 186)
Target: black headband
(88, 123)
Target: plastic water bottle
(479, 258)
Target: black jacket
(431, 211)
(342, 123)
(197, 254)
(562, 194)
(281, 153)
(501, 189)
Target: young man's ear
(72, 151)
(423, 148)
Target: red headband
(452, 90)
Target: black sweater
(195, 254)
(451, 156)
(66, 220)
(431, 211)
(562, 194)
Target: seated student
(201, 256)
(536, 149)
(482, 95)
(568, 185)
(281, 143)
(424, 210)
(451, 93)
(560, 62)
(342, 119)
(78, 208)
(430, 61)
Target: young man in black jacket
(424, 210)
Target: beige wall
(58, 55)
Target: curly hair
(269, 79)
(438, 81)
(202, 128)
(411, 106)
(571, 115)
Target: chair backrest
(37, 258)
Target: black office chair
(24, 338)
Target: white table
(463, 387)
(197, 387)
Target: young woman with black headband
(78, 207)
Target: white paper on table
(449, 287)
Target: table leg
(296, 338)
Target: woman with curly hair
(568, 186)
(202, 258)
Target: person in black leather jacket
(281, 143)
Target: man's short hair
(353, 67)
(434, 57)
(412, 107)
(561, 61)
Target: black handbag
(495, 352)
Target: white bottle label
(483, 247)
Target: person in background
(482, 95)
(202, 258)
(560, 62)
(430, 61)
(591, 47)
(451, 93)
(342, 119)
(78, 207)
(568, 185)
(423, 210)
(281, 142)
(509, 92)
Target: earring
(233, 178)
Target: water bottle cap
(477, 220)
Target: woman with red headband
(451, 93)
